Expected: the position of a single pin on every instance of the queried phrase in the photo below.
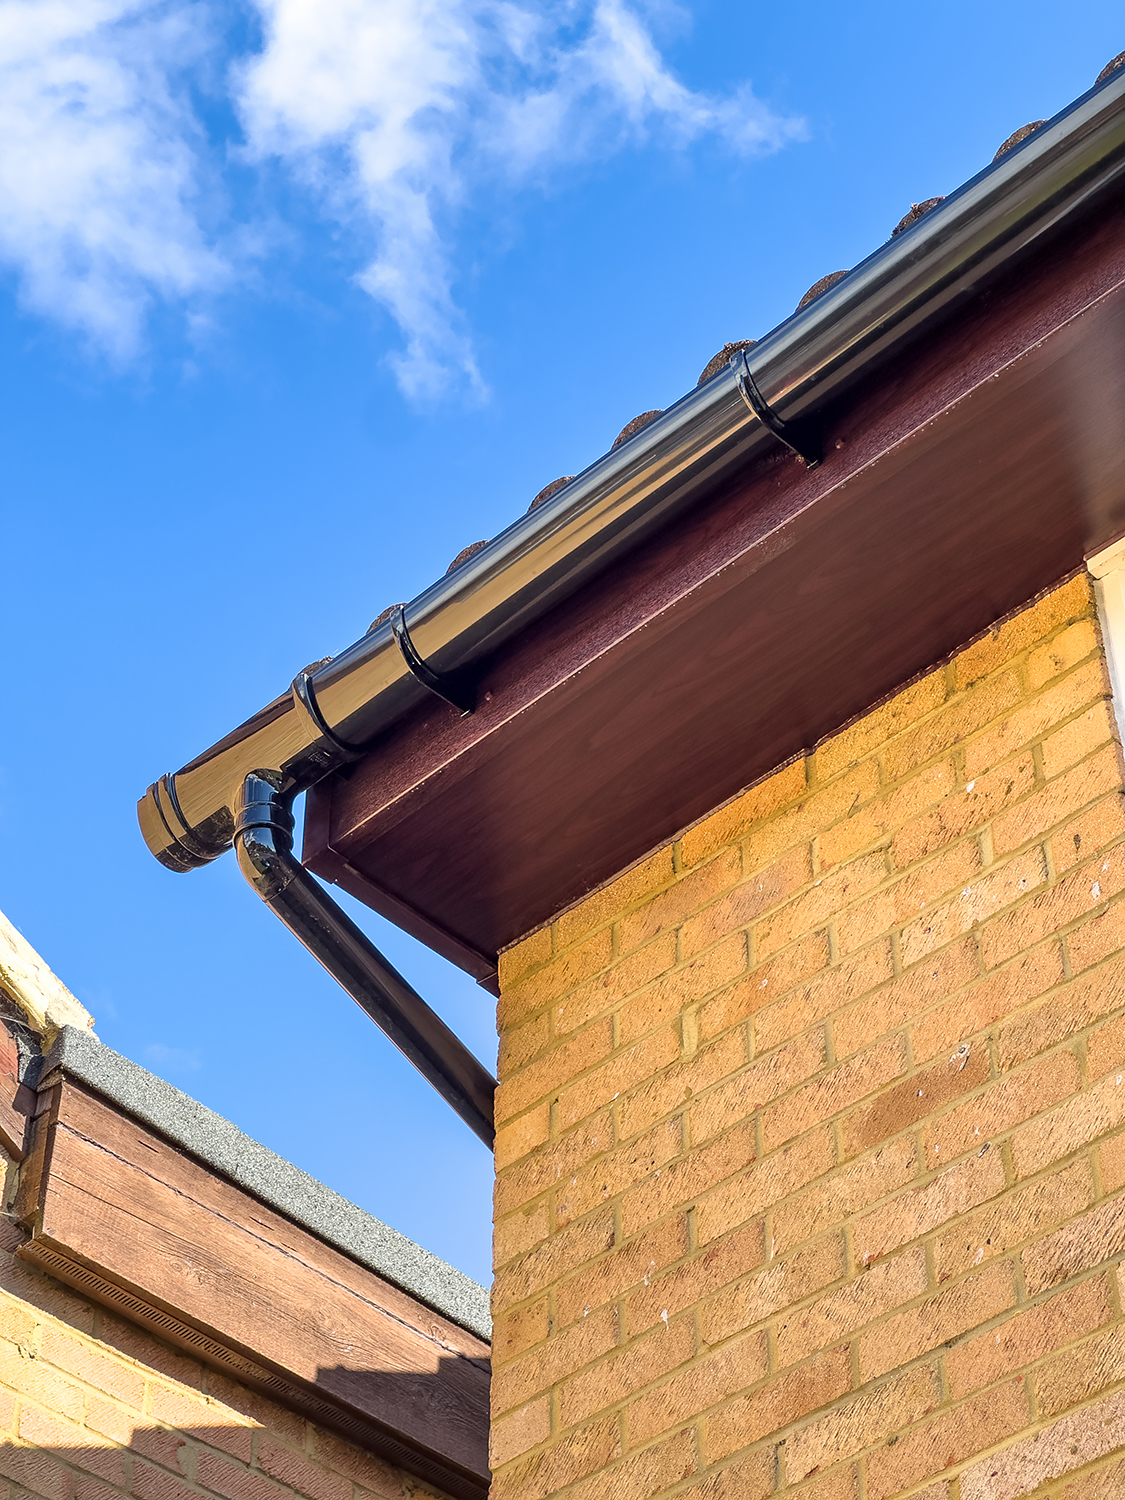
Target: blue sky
(298, 297)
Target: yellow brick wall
(811, 1147)
(91, 1408)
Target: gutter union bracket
(453, 689)
(794, 435)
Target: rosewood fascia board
(221, 1146)
(972, 474)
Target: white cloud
(393, 114)
(391, 109)
(98, 162)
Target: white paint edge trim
(27, 980)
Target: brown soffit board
(117, 1212)
(960, 482)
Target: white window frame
(1107, 568)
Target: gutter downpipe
(263, 841)
(332, 713)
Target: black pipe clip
(795, 435)
(452, 687)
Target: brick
(768, 1182)
(952, 1313)
(1072, 897)
(717, 1265)
(613, 1172)
(628, 1069)
(299, 1473)
(684, 1180)
(165, 1448)
(976, 903)
(613, 985)
(68, 1441)
(954, 1191)
(78, 1359)
(907, 997)
(827, 896)
(886, 816)
(777, 1404)
(571, 1247)
(625, 1268)
(664, 1000)
(1051, 1451)
(555, 1161)
(1080, 1245)
(569, 1459)
(855, 975)
(1006, 1103)
(519, 1001)
(772, 1290)
(1069, 1010)
(775, 977)
(966, 811)
(1078, 739)
(520, 1044)
(1069, 1126)
(1095, 828)
(730, 822)
(753, 897)
(233, 1481)
(714, 1376)
(1059, 800)
(529, 953)
(819, 810)
(36, 1471)
(524, 1428)
(1026, 628)
(914, 1098)
(1036, 717)
(755, 1085)
(987, 1000)
(563, 1063)
(565, 1351)
(236, 1411)
(153, 1484)
(127, 1339)
(363, 1468)
(880, 724)
(749, 1478)
(927, 1449)
(521, 1230)
(689, 894)
(602, 906)
(914, 897)
(832, 1092)
(1098, 938)
(626, 1370)
(643, 1474)
(962, 716)
(842, 1484)
(22, 1372)
(846, 1192)
(1076, 1374)
(519, 1136)
(862, 1421)
(1106, 1482)
(671, 1086)
(884, 1286)
(1021, 1215)
(1111, 1162)
(1021, 1340)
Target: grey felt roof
(219, 1144)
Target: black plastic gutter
(892, 299)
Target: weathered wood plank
(128, 1207)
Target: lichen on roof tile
(632, 428)
(719, 362)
